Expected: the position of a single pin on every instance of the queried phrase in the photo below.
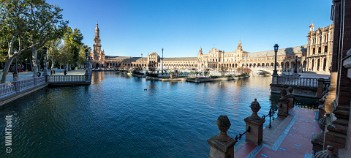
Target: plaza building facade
(315, 57)
(319, 49)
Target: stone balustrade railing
(7, 89)
(297, 81)
(69, 78)
(15, 87)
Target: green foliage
(26, 25)
(72, 49)
(82, 56)
(31, 23)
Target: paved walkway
(288, 138)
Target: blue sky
(181, 27)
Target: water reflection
(97, 77)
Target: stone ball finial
(255, 107)
(223, 124)
(290, 90)
(283, 92)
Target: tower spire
(240, 46)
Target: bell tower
(97, 43)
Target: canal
(116, 117)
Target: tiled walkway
(288, 138)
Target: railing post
(320, 87)
(283, 109)
(275, 79)
(291, 98)
(17, 86)
(221, 145)
(255, 123)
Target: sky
(182, 27)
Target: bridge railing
(69, 78)
(297, 81)
(10, 88)
(7, 89)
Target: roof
(283, 51)
(180, 59)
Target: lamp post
(87, 62)
(162, 63)
(142, 66)
(25, 64)
(45, 73)
(295, 66)
(276, 46)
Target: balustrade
(7, 89)
(297, 81)
(68, 78)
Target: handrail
(270, 114)
(238, 137)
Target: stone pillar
(15, 71)
(221, 145)
(17, 86)
(291, 98)
(274, 79)
(283, 110)
(255, 123)
(320, 88)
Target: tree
(28, 25)
(72, 40)
(82, 57)
(53, 51)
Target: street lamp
(162, 63)
(295, 66)
(87, 62)
(15, 72)
(45, 64)
(26, 64)
(276, 46)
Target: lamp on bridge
(45, 73)
(276, 47)
(87, 62)
(15, 70)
